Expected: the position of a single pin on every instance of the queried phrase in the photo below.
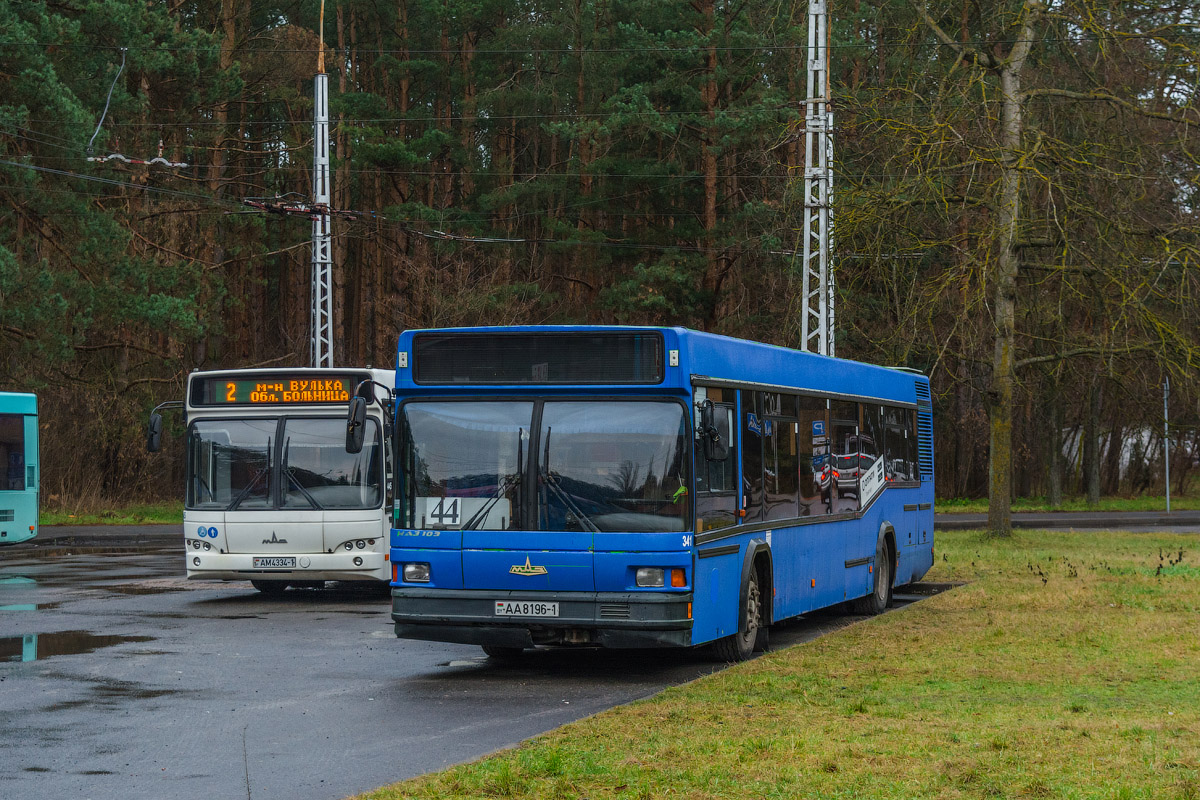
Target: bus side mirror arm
(155, 427)
(356, 416)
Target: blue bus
(647, 487)
(18, 467)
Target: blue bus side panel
(715, 599)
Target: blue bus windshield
(596, 465)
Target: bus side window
(815, 465)
(843, 418)
(896, 445)
(780, 458)
(752, 455)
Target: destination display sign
(281, 388)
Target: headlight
(416, 573)
(650, 576)
(349, 545)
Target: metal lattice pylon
(817, 324)
(322, 255)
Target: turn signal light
(677, 577)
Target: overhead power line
(664, 50)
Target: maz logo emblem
(274, 539)
(527, 569)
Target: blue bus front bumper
(605, 619)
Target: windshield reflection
(599, 466)
(232, 465)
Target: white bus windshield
(601, 465)
(292, 463)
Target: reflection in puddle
(21, 581)
(33, 646)
(30, 606)
(139, 588)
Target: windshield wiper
(505, 484)
(551, 480)
(287, 470)
(244, 493)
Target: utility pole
(322, 259)
(818, 285)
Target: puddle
(130, 690)
(20, 581)
(137, 588)
(35, 646)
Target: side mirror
(154, 434)
(714, 448)
(356, 425)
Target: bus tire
(503, 653)
(271, 588)
(741, 645)
(881, 587)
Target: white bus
(271, 494)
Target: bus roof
(18, 403)
(708, 358)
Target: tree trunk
(1000, 398)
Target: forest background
(1017, 204)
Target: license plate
(525, 608)
(274, 562)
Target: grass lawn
(166, 513)
(1069, 667)
(963, 505)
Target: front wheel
(741, 645)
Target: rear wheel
(270, 587)
(741, 645)
(881, 589)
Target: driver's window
(716, 483)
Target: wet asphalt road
(139, 684)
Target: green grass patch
(965, 505)
(1068, 667)
(165, 513)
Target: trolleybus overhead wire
(158, 160)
